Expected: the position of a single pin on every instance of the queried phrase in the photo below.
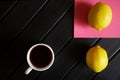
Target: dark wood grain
(111, 45)
(36, 31)
(8, 31)
(5, 7)
(57, 38)
(18, 18)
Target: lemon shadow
(81, 12)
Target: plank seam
(33, 16)
(114, 54)
(25, 26)
(56, 22)
(8, 11)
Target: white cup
(33, 51)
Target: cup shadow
(81, 13)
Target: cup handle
(28, 70)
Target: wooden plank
(112, 72)
(111, 45)
(67, 58)
(18, 18)
(7, 33)
(57, 38)
(34, 33)
(81, 71)
(5, 7)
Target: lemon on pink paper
(100, 16)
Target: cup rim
(34, 67)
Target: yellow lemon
(100, 16)
(97, 58)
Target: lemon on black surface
(97, 58)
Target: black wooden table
(24, 23)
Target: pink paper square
(83, 30)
